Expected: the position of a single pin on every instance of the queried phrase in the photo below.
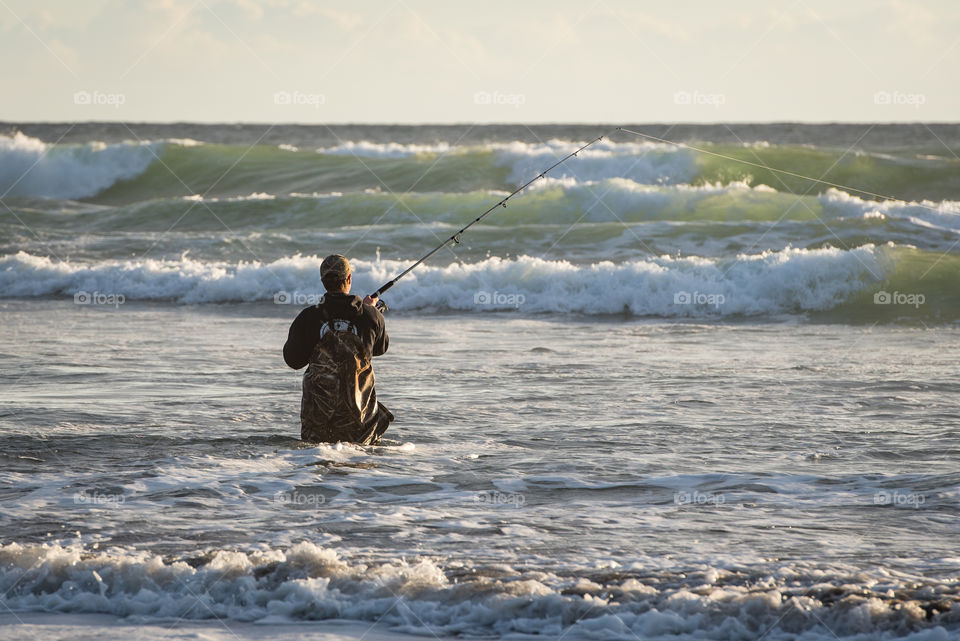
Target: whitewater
(660, 395)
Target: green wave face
(903, 178)
(232, 170)
(223, 171)
(919, 287)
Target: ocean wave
(903, 178)
(767, 283)
(646, 163)
(126, 172)
(31, 167)
(942, 216)
(643, 163)
(306, 582)
(557, 218)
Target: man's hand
(370, 300)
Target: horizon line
(480, 124)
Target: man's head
(335, 273)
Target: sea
(698, 382)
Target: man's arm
(296, 351)
(381, 342)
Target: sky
(410, 61)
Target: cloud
(346, 20)
(912, 20)
(66, 54)
(644, 22)
(253, 10)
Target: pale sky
(413, 61)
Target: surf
(828, 282)
(309, 582)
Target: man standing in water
(337, 339)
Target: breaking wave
(791, 281)
(306, 582)
(31, 167)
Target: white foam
(943, 215)
(772, 282)
(182, 142)
(307, 582)
(47, 627)
(383, 150)
(230, 199)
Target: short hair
(333, 282)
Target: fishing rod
(456, 237)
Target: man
(336, 339)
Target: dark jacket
(305, 330)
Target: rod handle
(383, 288)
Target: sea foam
(306, 582)
(792, 280)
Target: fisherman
(337, 339)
